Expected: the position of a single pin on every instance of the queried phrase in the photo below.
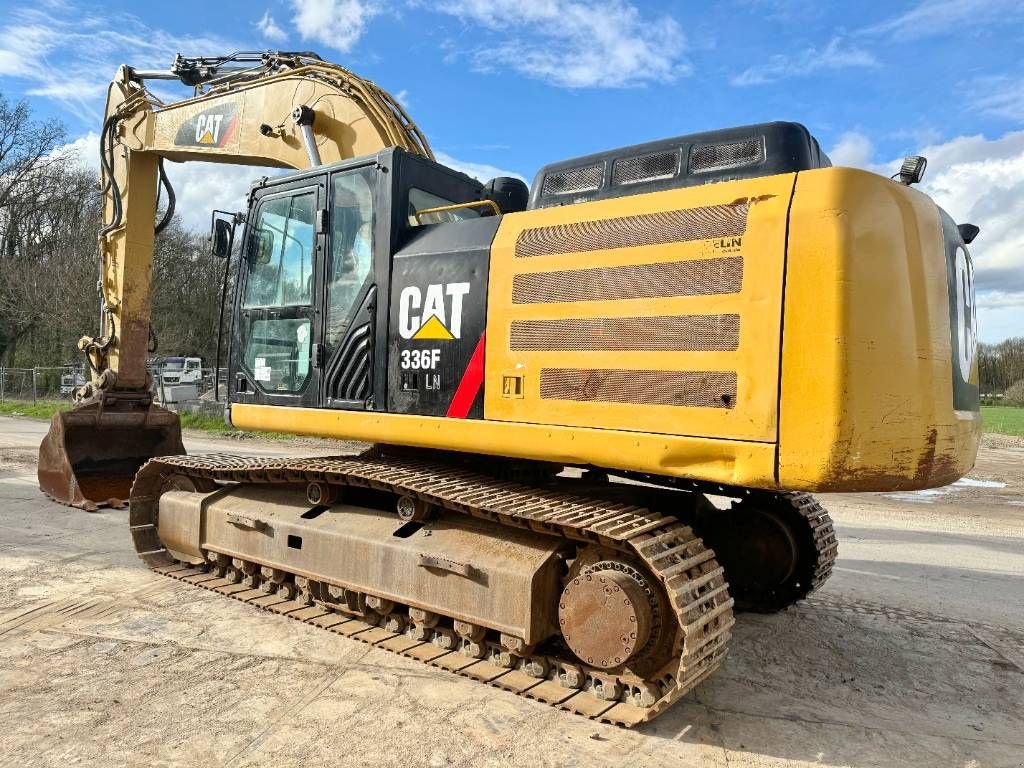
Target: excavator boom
(283, 110)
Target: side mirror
(221, 238)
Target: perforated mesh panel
(717, 157)
(652, 167)
(632, 231)
(697, 389)
(681, 333)
(585, 179)
(703, 277)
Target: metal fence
(171, 383)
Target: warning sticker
(261, 371)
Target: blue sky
(497, 84)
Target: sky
(505, 86)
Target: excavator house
(598, 405)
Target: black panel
(963, 324)
(438, 313)
(684, 161)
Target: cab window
(280, 257)
(420, 199)
(351, 259)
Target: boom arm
(287, 110)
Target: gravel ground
(912, 655)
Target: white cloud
(854, 149)
(479, 171)
(981, 181)
(85, 150)
(336, 23)
(835, 55)
(21, 48)
(601, 43)
(1000, 300)
(201, 187)
(198, 187)
(402, 97)
(270, 29)
(933, 17)
(88, 47)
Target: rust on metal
(90, 455)
(605, 617)
(692, 630)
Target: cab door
(356, 271)
(276, 347)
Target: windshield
(174, 364)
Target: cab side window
(351, 261)
(421, 200)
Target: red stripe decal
(229, 131)
(472, 381)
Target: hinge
(321, 221)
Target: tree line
(1001, 368)
(50, 207)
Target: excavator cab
(322, 252)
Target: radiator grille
(681, 333)
(571, 180)
(697, 389)
(659, 165)
(632, 231)
(705, 158)
(702, 277)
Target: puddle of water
(920, 497)
(928, 496)
(970, 482)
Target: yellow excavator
(598, 405)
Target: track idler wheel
(775, 548)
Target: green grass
(42, 409)
(1003, 419)
(215, 425)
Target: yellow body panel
(866, 371)
(720, 461)
(758, 302)
(847, 268)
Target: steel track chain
(691, 577)
(826, 548)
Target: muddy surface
(913, 654)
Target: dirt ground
(912, 655)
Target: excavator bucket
(90, 456)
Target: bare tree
(49, 215)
